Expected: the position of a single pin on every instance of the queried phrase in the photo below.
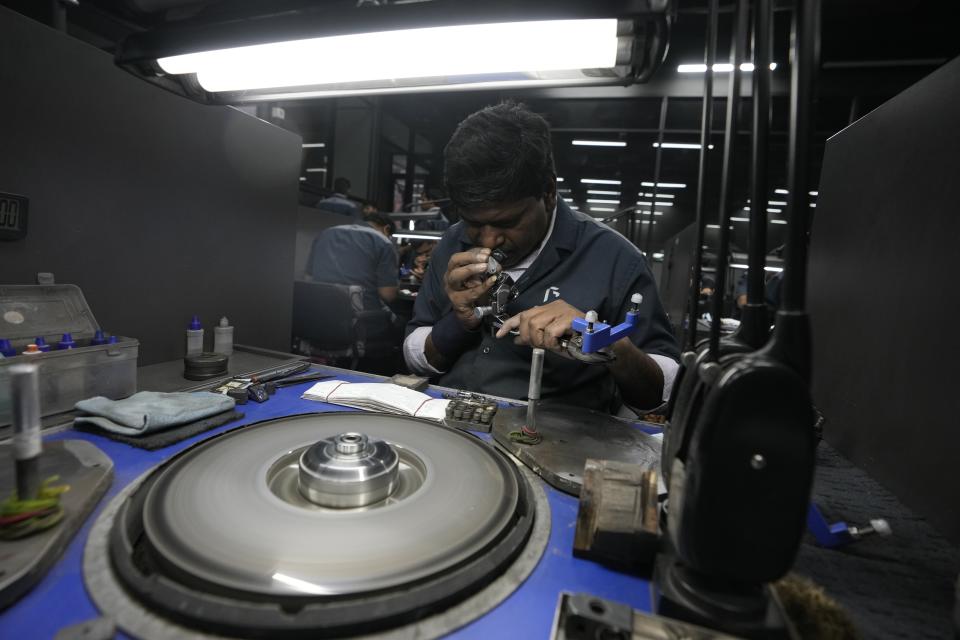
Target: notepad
(384, 397)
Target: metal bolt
(591, 318)
(758, 462)
(351, 443)
(878, 526)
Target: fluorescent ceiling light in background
(778, 222)
(314, 145)
(568, 200)
(600, 192)
(740, 219)
(658, 256)
(720, 67)
(602, 201)
(599, 143)
(781, 191)
(414, 236)
(814, 193)
(316, 170)
(559, 179)
(659, 195)
(547, 45)
(654, 204)
(744, 266)
(680, 145)
(598, 181)
(776, 203)
(664, 185)
(602, 209)
(648, 222)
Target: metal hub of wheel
(348, 521)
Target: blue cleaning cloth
(149, 411)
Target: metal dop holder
(348, 470)
(25, 392)
(533, 392)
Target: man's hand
(542, 326)
(465, 281)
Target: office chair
(329, 321)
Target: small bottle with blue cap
(194, 337)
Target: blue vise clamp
(591, 337)
(840, 533)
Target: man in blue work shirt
(358, 254)
(338, 202)
(501, 180)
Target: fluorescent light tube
(659, 195)
(600, 192)
(648, 212)
(813, 204)
(559, 179)
(603, 209)
(782, 191)
(720, 67)
(602, 201)
(314, 145)
(664, 185)
(654, 204)
(658, 256)
(599, 143)
(776, 203)
(814, 193)
(548, 45)
(316, 170)
(569, 200)
(648, 222)
(740, 219)
(414, 236)
(778, 221)
(680, 145)
(598, 181)
(744, 266)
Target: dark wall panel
(883, 299)
(158, 208)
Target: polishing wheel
(340, 523)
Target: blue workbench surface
(60, 598)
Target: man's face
(516, 228)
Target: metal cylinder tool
(25, 393)
(528, 434)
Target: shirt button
(486, 349)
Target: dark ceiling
(870, 51)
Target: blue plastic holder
(826, 534)
(98, 338)
(195, 323)
(41, 344)
(67, 342)
(6, 348)
(603, 335)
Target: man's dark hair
(497, 155)
(341, 185)
(380, 219)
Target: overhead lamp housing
(302, 50)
